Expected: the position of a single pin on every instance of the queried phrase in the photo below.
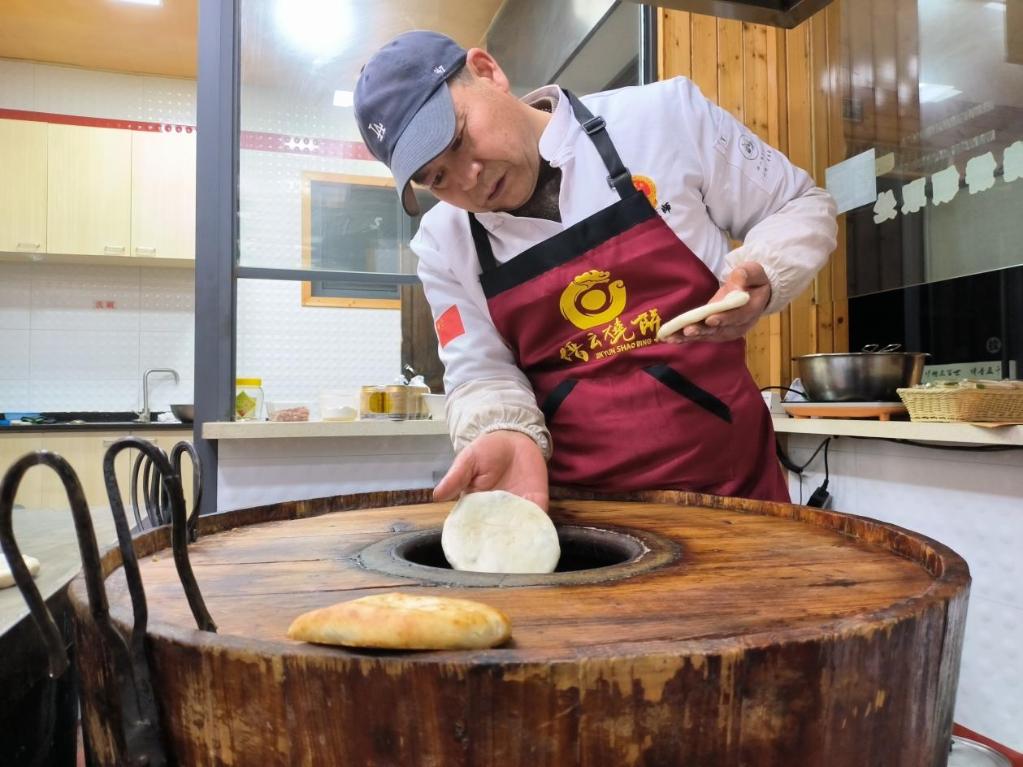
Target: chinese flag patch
(449, 326)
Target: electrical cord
(787, 389)
(820, 496)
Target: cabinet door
(13, 447)
(163, 195)
(85, 451)
(88, 191)
(22, 186)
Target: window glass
(934, 88)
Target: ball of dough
(7, 577)
(499, 532)
(404, 622)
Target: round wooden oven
(680, 630)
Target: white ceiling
(284, 42)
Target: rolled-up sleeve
(753, 192)
(486, 391)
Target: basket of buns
(965, 401)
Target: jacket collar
(556, 146)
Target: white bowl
(339, 405)
(435, 406)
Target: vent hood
(777, 13)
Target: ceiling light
(343, 98)
(995, 6)
(931, 93)
(317, 27)
(144, 2)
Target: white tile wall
(69, 90)
(18, 85)
(15, 296)
(59, 352)
(298, 351)
(973, 503)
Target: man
(568, 231)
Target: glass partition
(933, 115)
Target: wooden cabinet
(22, 186)
(88, 190)
(41, 488)
(13, 447)
(163, 195)
(84, 451)
(76, 190)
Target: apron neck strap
(484, 250)
(618, 176)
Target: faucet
(144, 416)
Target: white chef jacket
(711, 178)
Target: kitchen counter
(31, 428)
(223, 430)
(49, 536)
(960, 433)
(261, 462)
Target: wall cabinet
(163, 195)
(75, 191)
(23, 186)
(89, 190)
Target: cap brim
(428, 133)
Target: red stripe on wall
(1013, 756)
(94, 122)
(255, 140)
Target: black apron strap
(484, 250)
(618, 177)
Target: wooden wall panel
(822, 309)
(837, 57)
(705, 54)
(785, 86)
(802, 331)
(674, 54)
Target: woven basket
(947, 404)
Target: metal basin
(859, 376)
(184, 413)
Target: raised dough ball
(499, 532)
(7, 577)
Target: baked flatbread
(499, 532)
(732, 300)
(404, 622)
(7, 578)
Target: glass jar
(248, 399)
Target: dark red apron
(581, 310)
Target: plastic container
(435, 406)
(339, 405)
(283, 410)
(248, 399)
(416, 405)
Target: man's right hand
(500, 460)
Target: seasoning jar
(373, 403)
(417, 409)
(248, 399)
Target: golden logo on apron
(591, 299)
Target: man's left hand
(735, 323)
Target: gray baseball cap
(403, 104)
